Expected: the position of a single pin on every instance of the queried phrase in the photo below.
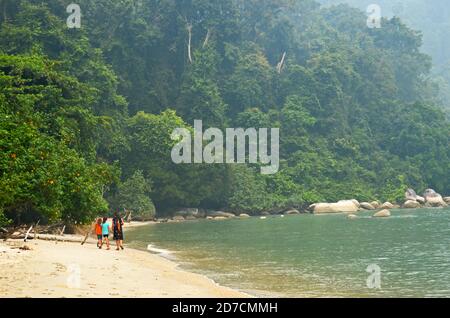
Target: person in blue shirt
(105, 232)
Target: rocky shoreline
(430, 199)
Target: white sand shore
(52, 269)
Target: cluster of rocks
(350, 206)
(189, 214)
(412, 201)
(194, 214)
(430, 199)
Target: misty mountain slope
(432, 18)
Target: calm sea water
(314, 256)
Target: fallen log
(58, 238)
(18, 237)
(7, 235)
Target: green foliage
(87, 114)
(41, 170)
(248, 193)
(3, 220)
(133, 195)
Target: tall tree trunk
(189, 28)
(281, 63)
(208, 34)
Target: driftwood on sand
(62, 231)
(50, 237)
(5, 234)
(35, 228)
(47, 234)
(85, 239)
(28, 233)
(65, 238)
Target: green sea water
(314, 255)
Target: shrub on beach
(3, 220)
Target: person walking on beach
(118, 231)
(105, 232)
(99, 232)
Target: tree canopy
(86, 114)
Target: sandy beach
(62, 269)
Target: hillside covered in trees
(432, 18)
(86, 114)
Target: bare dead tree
(281, 63)
(189, 28)
(208, 35)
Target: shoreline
(49, 270)
(163, 254)
(66, 269)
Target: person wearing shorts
(98, 232)
(105, 232)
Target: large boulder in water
(220, 218)
(382, 214)
(341, 206)
(187, 212)
(375, 204)
(411, 204)
(410, 195)
(387, 205)
(367, 206)
(429, 192)
(356, 202)
(216, 214)
(434, 199)
(420, 199)
(436, 202)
